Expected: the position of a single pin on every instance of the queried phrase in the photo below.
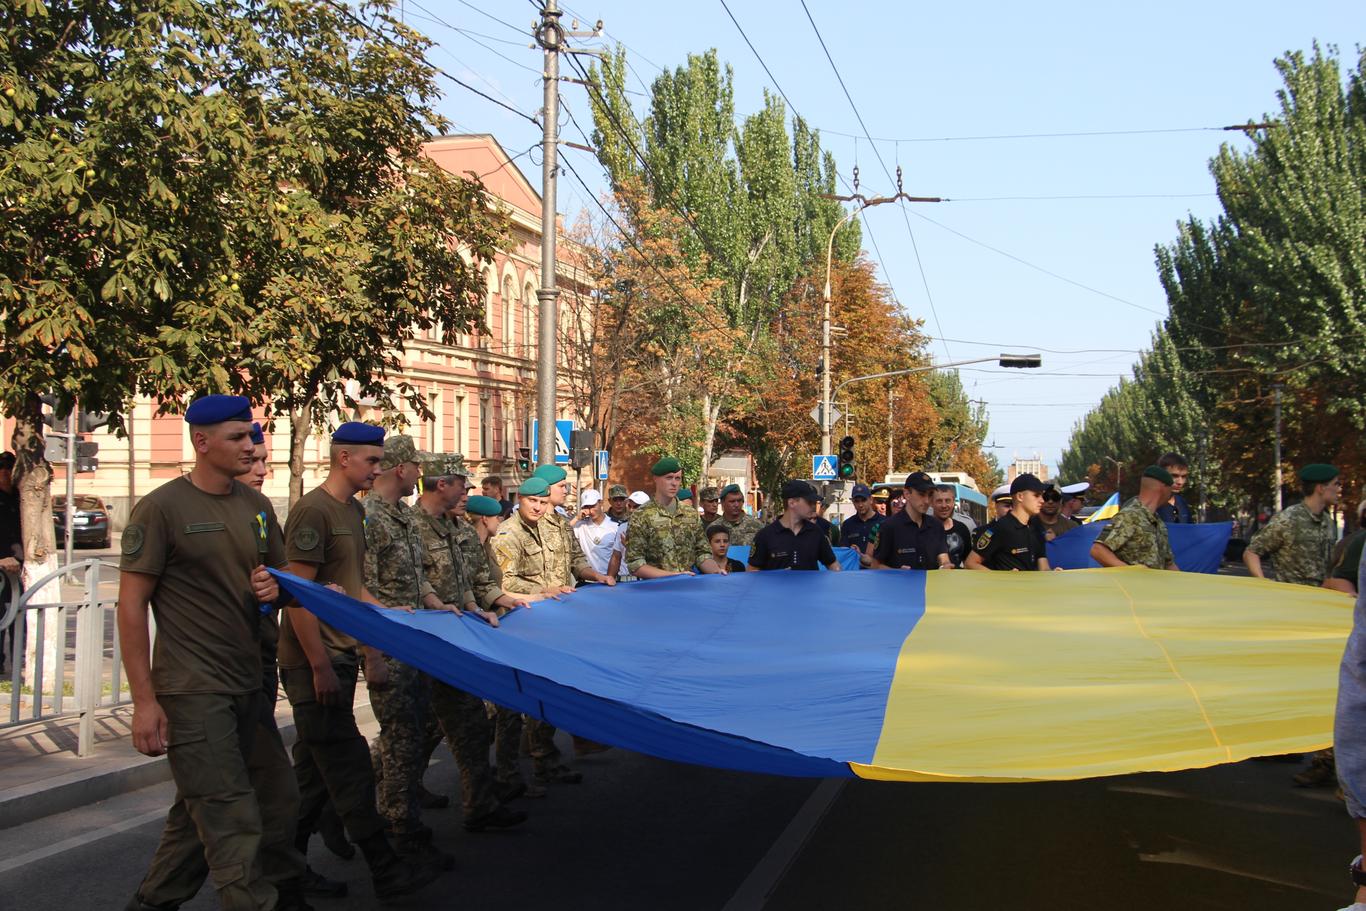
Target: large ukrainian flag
(903, 675)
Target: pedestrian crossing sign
(823, 468)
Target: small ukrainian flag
(1108, 510)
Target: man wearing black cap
(1136, 536)
(794, 541)
(196, 550)
(912, 539)
(1014, 542)
(859, 531)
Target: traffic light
(580, 449)
(92, 420)
(58, 423)
(846, 459)
(523, 459)
(86, 455)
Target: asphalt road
(644, 833)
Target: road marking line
(77, 841)
(754, 892)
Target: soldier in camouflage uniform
(1300, 538)
(665, 537)
(568, 555)
(476, 520)
(1136, 536)
(461, 715)
(394, 575)
(743, 528)
(534, 557)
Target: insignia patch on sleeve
(133, 538)
(983, 540)
(306, 538)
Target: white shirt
(598, 541)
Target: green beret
(730, 489)
(1158, 473)
(483, 506)
(553, 474)
(685, 494)
(666, 465)
(1318, 473)
(533, 487)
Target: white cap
(1076, 490)
(1002, 491)
(640, 498)
(590, 497)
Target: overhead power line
(1059, 135)
(915, 248)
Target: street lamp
(863, 202)
(1118, 469)
(1018, 361)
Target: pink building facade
(480, 387)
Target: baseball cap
(640, 498)
(799, 490)
(861, 491)
(919, 481)
(590, 497)
(1025, 482)
(617, 490)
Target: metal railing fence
(95, 671)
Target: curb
(74, 790)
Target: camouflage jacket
(485, 577)
(442, 559)
(667, 539)
(741, 533)
(393, 554)
(1300, 543)
(1138, 537)
(525, 553)
(569, 557)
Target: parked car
(89, 520)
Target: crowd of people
(197, 551)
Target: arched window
(509, 307)
(530, 306)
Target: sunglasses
(1052, 498)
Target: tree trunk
(711, 414)
(33, 484)
(300, 424)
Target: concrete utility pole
(1277, 389)
(550, 36)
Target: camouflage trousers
(545, 756)
(226, 762)
(507, 743)
(468, 733)
(403, 708)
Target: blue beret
(484, 506)
(258, 436)
(553, 474)
(215, 409)
(358, 433)
(533, 487)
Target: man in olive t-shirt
(325, 543)
(197, 549)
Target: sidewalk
(41, 775)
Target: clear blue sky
(964, 71)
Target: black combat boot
(391, 875)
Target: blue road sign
(563, 430)
(823, 468)
(601, 459)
